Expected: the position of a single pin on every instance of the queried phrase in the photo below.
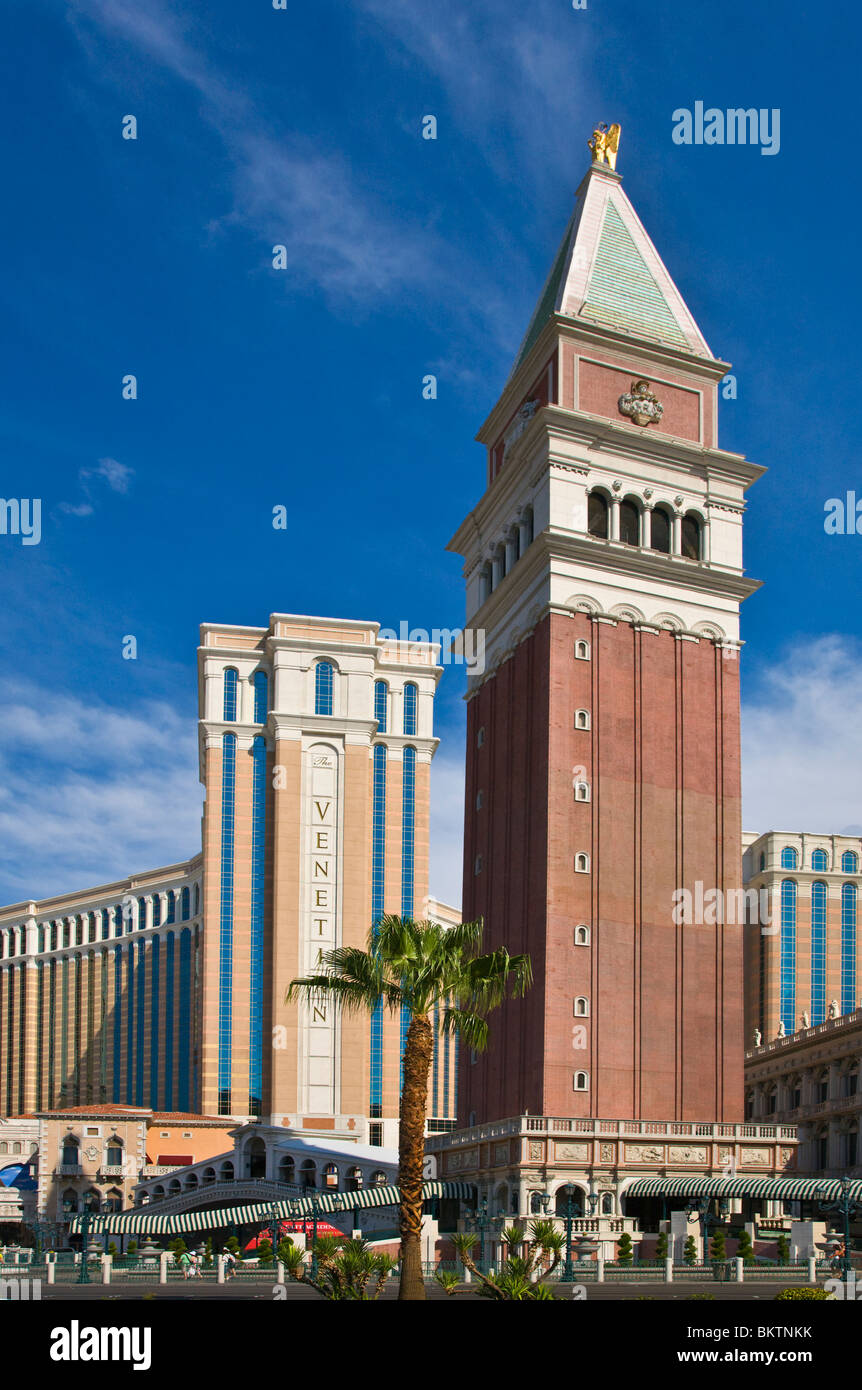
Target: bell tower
(604, 565)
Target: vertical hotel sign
(320, 923)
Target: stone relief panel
(645, 1153)
(460, 1159)
(760, 1158)
(572, 1153)
(607, 1153)
(687, 1153)
(501, 1153)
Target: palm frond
(471, 1028)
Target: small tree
(689, 1253)
(661, 1246)
(719, 1249)
(112, 1249)
(783, 1250)
(518, 1281)
(746, 1249)
(347, 1270)
(264, 1251)
(624, 1249)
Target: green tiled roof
(622, 292)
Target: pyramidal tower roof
(607, 273)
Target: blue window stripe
(381, 694)
(230, 687)
(185, 1038)
(118, 1024)
(378, 866)
(153, 1098)
(261, 697)
(410, 700)
(818, 952)
(258, 839)
(848, 948)
(408, 848)
(185, 905)
(788, 955)
(130, 1023)
(323, 687)
(141, 1025)
(170, 1003)
(226, 927)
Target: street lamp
(568, 1275)
(845, 1208)
(276, 1230)
(707, 1218)
(480, 1220)
(86, 1217)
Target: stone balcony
(543, 1126)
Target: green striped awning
(777, 1189)
(148, 1219)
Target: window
(142, 913)
(114, 1153)
(261, 696)
(375, 1136)
(582, 1007)
(819, 861)
(582, 719)
(597, 515)
(185, 905)
(690, 547)
(849, 862)
(480, 737)
(381, 699)
(581, 1081)
(171, 915)
(630, 523)
(411, 696)
(582, 791)
(477, 864)
(582, 863)
(323, 681)
(787, 954)
(69, 1157)
(582, 936)
(582, 651)
(762, 861)
(848, 948)
(818, 951)
(661, 530)
(480, 798)
(789, 858)
(230, 685)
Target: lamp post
(275, 1226)
(480, 1220)
(86, 1217)
(845, 1208)
(707, 1218)
(568, 1275)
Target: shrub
(661, 1246)
(624, 1249)
(689, 1253)
(783, 1250)
(718, 1248)
(746, 1249)
(807, 1293)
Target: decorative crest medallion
(605, 144)
(641, 405)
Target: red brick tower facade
(604, 566)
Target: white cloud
(91, 793)
(802, 741)
(117, 477)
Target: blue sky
(302, 387)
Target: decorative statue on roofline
(605, 143)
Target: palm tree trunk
(411, 1153)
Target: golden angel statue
(605, 143)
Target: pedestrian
(229, 1264)
(198, 1266)
(185, 1262)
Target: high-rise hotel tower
(316, 747)
(604, 562)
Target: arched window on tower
(261, 697)
(381, 701)
(410, 702)
(691, 536)
(230, 683)
(819, 861)
(323, 683)
(849, 862)
(789, 858)
(661, 530)
(597, 515)
(630, 522)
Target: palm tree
(417, 966)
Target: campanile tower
(604, 563)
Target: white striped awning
(776, 1189)
(143, 1220)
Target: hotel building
(803, 968)
(166, 990)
